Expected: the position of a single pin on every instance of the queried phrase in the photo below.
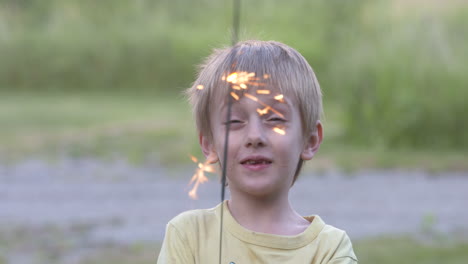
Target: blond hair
(287, 71)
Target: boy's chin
(259, 191)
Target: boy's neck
(271, 216)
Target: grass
(396, 68)
(397, 95)
(405, 250)
(72, 244)
(95, 125)
(151, 129)
(134, 254)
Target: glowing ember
(199, 177)
(240, 78)
(263, 91)
(234, 95)
(279, 131)
(263, 111)
(251, 97)
(232, 78)
(279, 98)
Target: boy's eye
(276, 119)
(233, 121)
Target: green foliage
(100, 45)
(403, 83)
(144, 45)
(406, 250)
(160, 130)
(134, 254)
(140, 129)
(398, 77)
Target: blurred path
(118, 202)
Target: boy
(274, 127)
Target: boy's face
(261, 161)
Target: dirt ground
(119, 203)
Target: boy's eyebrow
(284, 107)
(273, 101)
(270, 103)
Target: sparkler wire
(235, 21)
(235, 37)
(223, 178)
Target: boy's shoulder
(200, 218)
(336, 240)
(331, 231)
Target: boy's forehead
(272, 100)
(259, 83)
(264, 90)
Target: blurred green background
(78, 76)
(103, 79)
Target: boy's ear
(313, 141)
(208, 149)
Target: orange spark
(263, 91)
(240, 77)
(194, 159)
(279, 98)
(251, 97)
(279, 131)
(235, 96)
(240, 80)
(256, 84)
(199, 177)
(200, 87)
(263, 111)
(232, 78)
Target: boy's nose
(255, 135)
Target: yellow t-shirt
(193, 237)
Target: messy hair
(287, 70)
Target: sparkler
(254, 98)
(239, 81)
(199, 176)
(263, 111)
(263, 91)
(279, 131)
(279, 98)
(235, 96)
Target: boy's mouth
(257, 160)
(256, 163)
